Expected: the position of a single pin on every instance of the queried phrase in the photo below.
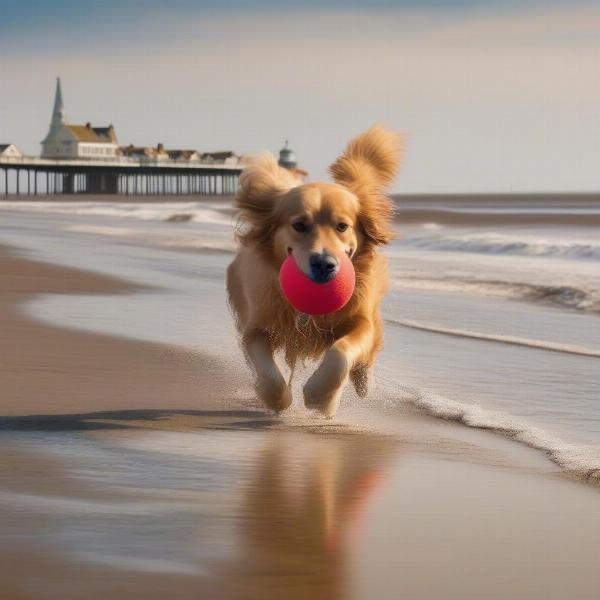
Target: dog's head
(318, 222)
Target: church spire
(58, 114)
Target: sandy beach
(50, 371)
(137, 463)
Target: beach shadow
(141, 418)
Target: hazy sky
(491, 95)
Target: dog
(316, 223)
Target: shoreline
(320, 507)
(51, 370)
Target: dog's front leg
(270, 385)
(322, 391)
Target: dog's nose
(323, 267)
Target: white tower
(57, 143)
(58, 114)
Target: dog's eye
(300, 227)
(342, 227)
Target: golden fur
(270, 201)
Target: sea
(492, 319)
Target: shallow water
(242, 505)
(497, 334)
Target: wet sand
(52, 371)
(303, 508)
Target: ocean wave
(178, 242)
(204, 246)
(502, 339)
(505, 243)
(563, 296)
(199, 212)
(578, 460)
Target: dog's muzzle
(323, 267)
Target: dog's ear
(367, 167)
(262, 183)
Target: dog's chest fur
(298, 335)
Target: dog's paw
(274, 393)
(323, 389)
(315, 399)
(326, 403)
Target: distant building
(226, 157)
(183, 155)
(77, 141)
(10, 151)
(157, 153)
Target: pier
(83, 159)
(121, 175)
(87, 159)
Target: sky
(490, 96)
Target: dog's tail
(370, 160)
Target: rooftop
(95, 135)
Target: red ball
(314, 298)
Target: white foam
(103, 230)
(431, 226)
(150, 565)
(195, 244)
(582, 461)
(503, 339)
(201, 212)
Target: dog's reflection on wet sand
(300, 510)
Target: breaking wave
(506, 243)
(200, 212)
(581, 461)
(564, 296)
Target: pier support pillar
(68, 183)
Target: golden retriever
(315, 222)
